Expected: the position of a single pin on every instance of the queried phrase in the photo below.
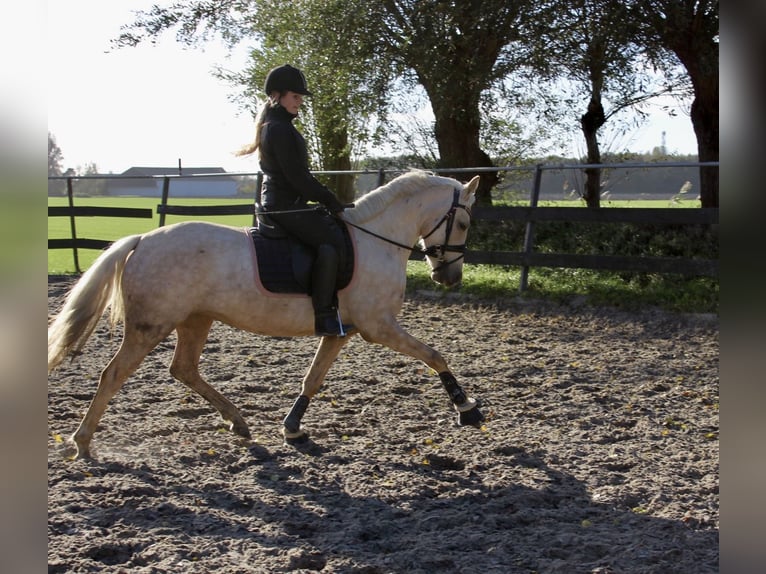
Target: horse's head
(446, 257)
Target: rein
(436, 250)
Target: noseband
(438, 251)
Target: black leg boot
(326, 322)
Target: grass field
(61, 261)
(682, 203)
(612, 288)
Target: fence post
(381, 176)
(72, 226)
(529, 232)
(164, 201)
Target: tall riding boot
(323, 276)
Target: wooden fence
(72, 212)
(529, 215)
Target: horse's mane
(377, 200)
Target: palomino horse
(185, 276)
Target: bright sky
(143, 106)
(151, 105)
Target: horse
(185, 276)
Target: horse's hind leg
(135, 346)
(192, 335)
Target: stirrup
(336, 329)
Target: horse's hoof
(295, 438)
(240, 428)
(78, 448)
(473, 417)
(72, 453)
(76, 453)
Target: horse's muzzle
(447, 277)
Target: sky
(153, 105)
(142, 106)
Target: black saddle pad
(284, 264)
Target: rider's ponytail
(252, 147)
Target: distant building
(147, 182)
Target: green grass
(61, 261)
(619, 289)
(683, 203)
(627, 291)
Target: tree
(589, 45)
(689, 29)
(55, 156)
(456, 51)
(328, 40)
(603, 55)
(87, 187)
(55, 168)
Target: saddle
(284, 263)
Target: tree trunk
(337, 157)
(689, 29)
(704, 116)
(453, 48)
(456, 129)
(590, 122)
(458, 141)
(342, 184)
(703, 72)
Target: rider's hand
(338, 207)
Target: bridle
(438, 251)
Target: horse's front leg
(396, 338)
(326, 353)
(467, 408)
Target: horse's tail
(98, 287)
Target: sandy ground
(599, 453)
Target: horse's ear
(471, 187)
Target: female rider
(288, 186)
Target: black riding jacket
(288, 183)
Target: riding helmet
(284, 78)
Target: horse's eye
(462, 226)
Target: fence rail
(72, 212)
(529, 215)
(235, 209)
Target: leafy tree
(588, 44)
(689, 30)
(456, 51)
(87, 187)
(55, 156)
(328, 40)
(55, 168)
